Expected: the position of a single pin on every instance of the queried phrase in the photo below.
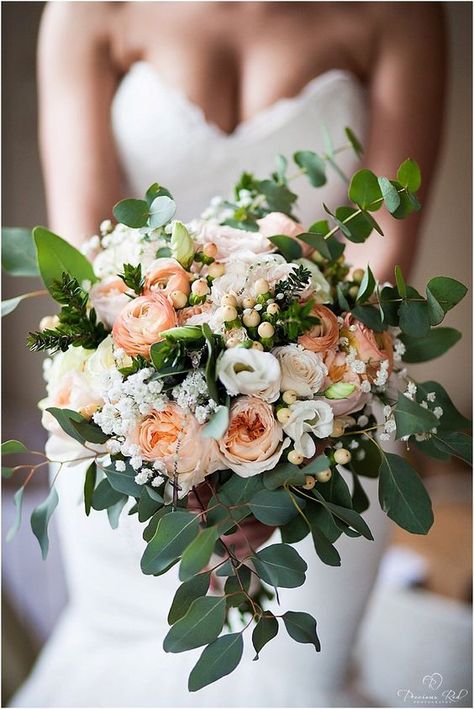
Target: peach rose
(140, 323)
(108, 298)
(278, 223)
(322, 337)
(174, 437)
(372, 347)
(195, 314)
(166, 275)
(253, 441)
(339, 371)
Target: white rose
(308, 417)
(230, 241)
(247, 371)
(301, 370)
(103, 360)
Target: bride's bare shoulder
(78, 24)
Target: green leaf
(217, 424)
(354, 141)
(104, 496)
(188, 592)
(339, 390)
(367, 286)
(201, 625)
(287, 246)
(358, 227)
(7, 472)
(350, 517)
(412, 418)
(443, 294)
(409, 175)
(336, 490)
(279, 198)
(370, 316)
(281, 474)
(40, 519)
(272, 507)
(414, 317)
(155, 190)
(302, 628)
(390, 194)
(162, 209)
(131, 212)
(429, 448)
(280, 565)
(452, 419)
(330, 248)
(364, 190)
(366, 458)
(90, 432)
(400, 281)
(89, 486)
(434, 344)
(211, 379)
(173, 534)
(313, 166)
(18, 502)
(326, 551)
(8, 306)
(218, 659)
(65, 418)
(454, 443)
(124, 480)
(114, 512)
(408, 202)
(56, 256)
(186, 333)
(265, 630)
(18, 252)
(237, 586)
(13, 446)
(360, 501)
(402, 495)
(150, 502)
(198, 553)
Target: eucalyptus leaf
(409, 175)
(65, 418)
(281, 474)
(18, 252)
(131, 212)
(403, 496)
(217, 424)
(18, 502)
(218, 659)
(123, 480)
(434, 344)
(365, 191)
(358, 227)
(302, 628)
(313, 166)
(89, 486)
(354, 141)
(114, 511)
(187, 593)
(12, 446)
(412, 418)
(367, 286)
(280, 565)
(162, 209)
(104, 496)
(452, 419)
(390, 194)
(287, 246)
(40, 519)
(198, 553)
(443, 293)
(265, 630)
(273, 507)
(201, 625)
(454, 443)
(173, 534)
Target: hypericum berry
(251, 319)
(337, 428)
(257, 346)
(357, 275)
(178, 299)
(316, 257)
(200, 287)
(294, 457)
(216, 270)
(353, 291)
(273, 308)
(229, 299)
(248, 302)
(283, 415)
(324, 475)
(210, 249)
(309, 483)
(289, 396)
(229, 313)
(49, 322)
(261, 286)
(266, 330)
(342, 456)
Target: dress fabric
(107, 648)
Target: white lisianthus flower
(308, 417)
(301, 370)
(104, 359)
(251, 372)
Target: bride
(190, 94)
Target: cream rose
(230, 241)
(140, 323)
(108, 298)
(173, 437)
(308, 418)
(248, 371)
(301, 370)
(254, 441)
(103, 360)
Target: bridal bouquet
(236, 373)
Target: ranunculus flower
(372, 347)
(301, 370)
(340, 371)
(248, 371)
(108, 297)
(140, 323)
(173, 437)
(322, 337)
(253, 441)
(231, 241)
(277, 223)
(166, 275)
(308, 417)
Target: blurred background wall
(33, 591)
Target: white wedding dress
(107, 649)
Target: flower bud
(182, 246)
(49, 322)
(353, 291)
(248, 302)
(342, 456)
(210, 249)
(337, 428)
(295, 458)
(229, 299)
(357, 275)
(273, 308)
(229, 313)
(266, 330)
(324, 475)
(257, 346)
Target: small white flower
(142, 477)
(438, 412)
(384, 437)
(120, 466)
(251, 372)
(362, 421)
(431, 396)
(365, 386)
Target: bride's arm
(77, 81)
(406, 93)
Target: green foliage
(199, 626)
(313, 166)
(409, 175)
(173, 534)
(198, 553)
(218, 659)
(414, 317)
(281, 474)
(279, 198)
(273, 507)
(452, 419)
(131, 212)
(18, 502)
(403, 496)
(104, 496)
(123, 480)
(434, 344)
(18, 252)
(354, 141)
(89, 486)
(364, 190)
(443, 294)
(217, 424)
(280, 565)
(57, 257)
(162, 209)
(212, 352)
(182, 246)
(155, 190)
(324, 548)
(295, 320)
(348, 516)
(390, 194)
(187, 593)
(149, 503)
(265, 630)
(66, 418)
(412, 418)
(114, 511)
(368, 465)
(13, 446)
(287, 246)
(292, 286)
(302, 628)
(357, 225)
(40, 519)
(367, 286)
(132, 277)
(454, 443)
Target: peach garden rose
(140, 323)
(372, 347)
(166, 275)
